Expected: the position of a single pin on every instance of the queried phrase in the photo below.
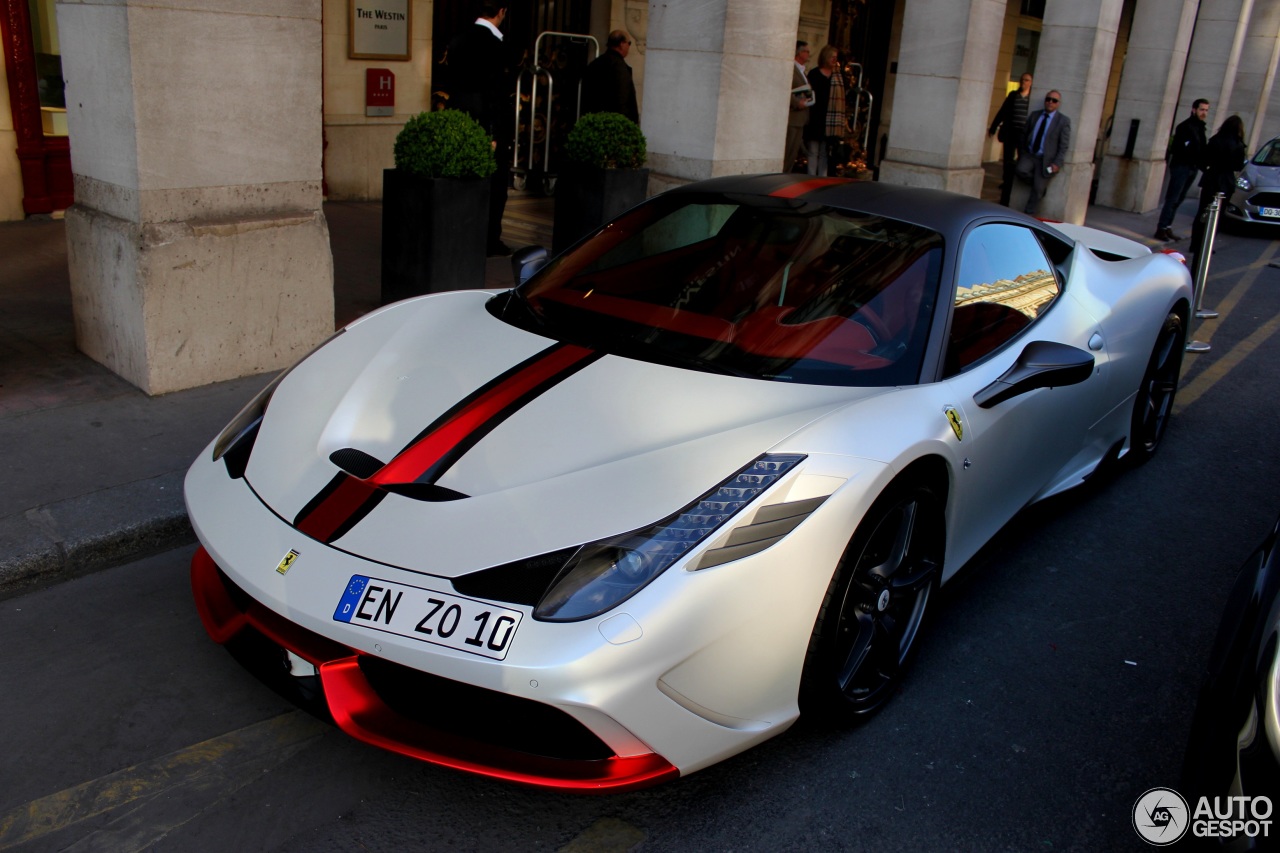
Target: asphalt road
(1055, 685)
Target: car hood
(1262, 176)
(606, 445)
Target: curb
(62, 540)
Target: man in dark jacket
(1186, 158)
(480, 82)
(1047, 141)
(607, 86)
(1010, 122)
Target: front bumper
(359, 709)
(1250, 206)
(696, 667)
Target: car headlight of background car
(1243, 183)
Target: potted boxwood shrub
(603, 176)
(435, 206)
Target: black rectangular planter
(588, 198)
(433, 234)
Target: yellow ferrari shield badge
(953, 417)
(287, 562)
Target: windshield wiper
(530, 314)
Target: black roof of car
(941, 211)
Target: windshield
(768, 288)
(1269, 154)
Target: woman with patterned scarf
(827, 116)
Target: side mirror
(1042, 364)
(527, 261)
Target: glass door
(33, 66)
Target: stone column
(1270, 123)
(1076, 47)
(717, 83)
(197, 247)
(1214, 57)
(941, 98)
(1149, 85)
(1255, 76)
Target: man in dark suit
(798, 115)
(1010, 123)
(1047, 139)
(607, 84)
(481, 83)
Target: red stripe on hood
(341, 505)
(481, 413)
(347, 499)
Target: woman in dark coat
(1224, 156)
(827, 113)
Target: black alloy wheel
(873, 611)
(1154, 402)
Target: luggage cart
(540, 123)
(860, 113)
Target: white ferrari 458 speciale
(701, 472)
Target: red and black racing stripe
(346, 500)
(804, 187)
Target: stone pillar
(1270, 122)
(717, 83)
(1256, 134)
(1255, 76)
(1075, 53)
(197, 247)
(941, 98)
(1214, 57)
(1149, 85)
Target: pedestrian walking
(801, 101)
(607, 84)
(1186, 160)
(828, 116)
(1009, 126)
(1224, 156)
(1048, 136)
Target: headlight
(603, 574)
(1243, 183)
(236, 439)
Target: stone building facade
(204, 134)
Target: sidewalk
(93, 468)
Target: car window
(773, 289)
(686, 226)
(1003, 283)
(1269, 154)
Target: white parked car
(699, 473)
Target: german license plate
(1273, 212)
(430, 616)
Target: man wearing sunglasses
(607, 84)
(1048, 136)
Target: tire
(1153, 404)
(871, 616)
